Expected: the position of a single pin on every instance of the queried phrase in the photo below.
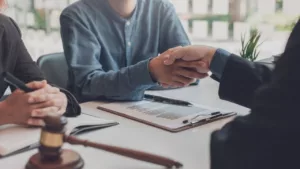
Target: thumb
(37, 84)
(202, 67)
(175, 55)
(169, 60)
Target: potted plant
(249, 49)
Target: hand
(201, 55)
(172, 75)
(15, 109)
(29, 108)
(51, 101)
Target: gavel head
(52, 137)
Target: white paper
(167, 115)
(15, 137)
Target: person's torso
(123, 42)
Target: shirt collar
(111, 13)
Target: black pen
(167, 100)
(12, 80)
(212, 116)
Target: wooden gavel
(51, 155)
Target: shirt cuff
(218, 62)
(141, 74)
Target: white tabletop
(191, 147)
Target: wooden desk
(191, 147)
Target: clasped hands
(30, 108)
(181, 66)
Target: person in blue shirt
(109, 46)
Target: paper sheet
(168, 115)
(14, 137)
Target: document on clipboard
(173, 118)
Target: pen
(12, 80)
(211, 116)
(167, 100)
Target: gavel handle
(143, 156)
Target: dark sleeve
(268, 137)
(245, 144)
(241, 78)
(27, 70)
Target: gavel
(52, 156)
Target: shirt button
(127, 23)
(129, 43)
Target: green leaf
(250, 48)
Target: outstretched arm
(238, 77)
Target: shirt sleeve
(83, 53)
(218, 62)
(172, 32)
(27, 70)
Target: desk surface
(190, 147)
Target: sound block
(69, 160)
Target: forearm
(4, 115)
(129, 83)
(241, 78)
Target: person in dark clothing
(267, 138)
(27, 108)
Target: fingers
(35, 122)
(44, 112)
(167, 53)
(181, 81)
(177, 53)
(50, 89)
(37, 84)
(56, 100)
(45, 94)
(200, 66)
(189, 73)
(50, 103)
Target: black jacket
(269, 137)
(14, 58)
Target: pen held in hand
(12, 80)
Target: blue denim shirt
(108, 55)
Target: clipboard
(184, 127)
